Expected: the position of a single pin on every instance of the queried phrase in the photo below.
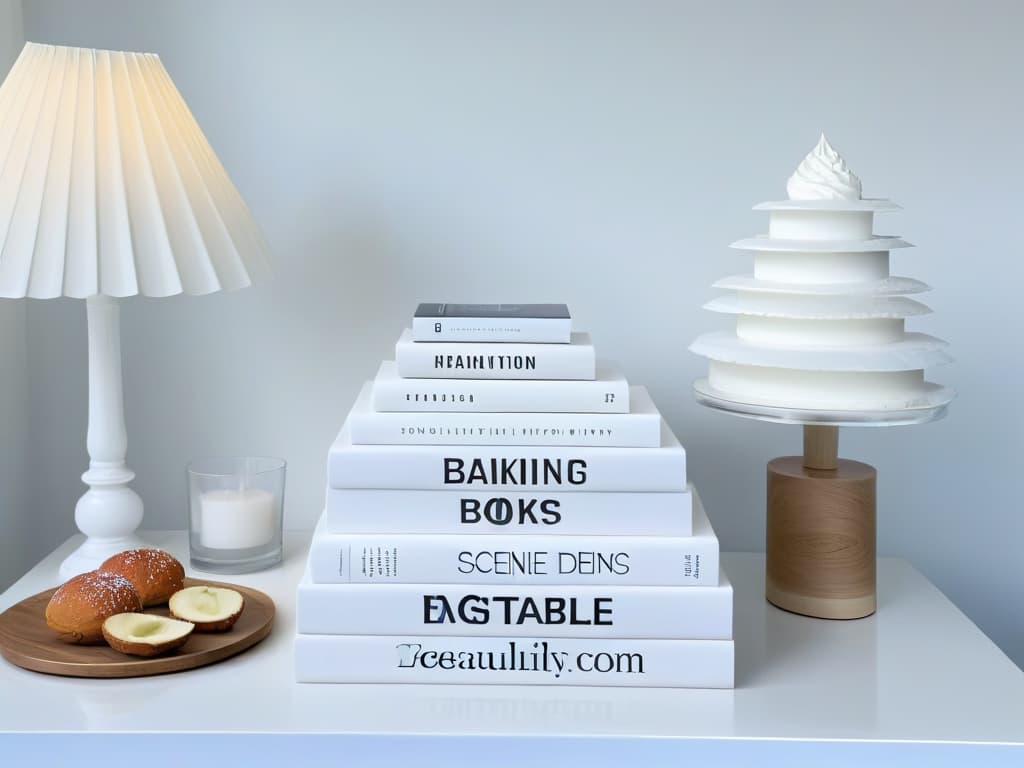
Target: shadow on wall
(18, 548)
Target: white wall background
(19, 537)
(598, 153)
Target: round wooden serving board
(26, 641)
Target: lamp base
(94, 551)
(821, 538)
(110, 511)
(108, 514)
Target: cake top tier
(823, 175)
(824, 182)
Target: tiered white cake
(511, 512)
(820, 323)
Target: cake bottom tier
(832, 390)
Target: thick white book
(496, 360)
(608, 393)
(527, 323)
(514, 661)
(506, 468)
(337, 558)
(515, 610)
(640, 428)
(362, 510)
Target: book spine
(336, 558)
(703, 613)
(360, 510)
(626, 430)
(525, 468)
(514, 661)
(447, 360)
(500, 396)
(524, 330)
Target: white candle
(236, 519)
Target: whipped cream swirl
(823, 175)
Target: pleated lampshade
(108, 186)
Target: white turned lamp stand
(110, 511)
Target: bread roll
(155, 574)
(79, 607)
(210, 609)
(142, 634)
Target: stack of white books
(503, 508)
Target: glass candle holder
(235, 513)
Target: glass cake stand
(821, 510)
(708, 396)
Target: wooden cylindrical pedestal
(821, 535)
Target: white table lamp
(108, 188)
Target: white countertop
(917, 675)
